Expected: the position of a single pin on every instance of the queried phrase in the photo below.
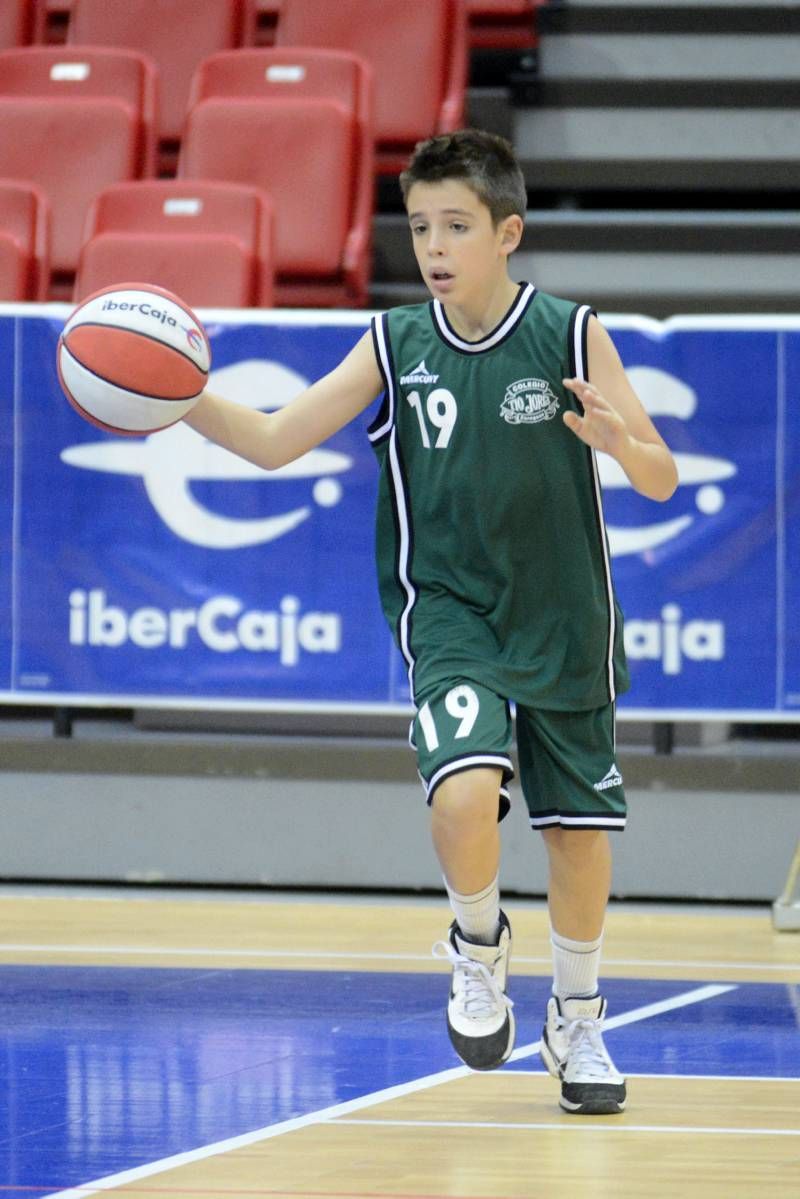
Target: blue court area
(105, 1069)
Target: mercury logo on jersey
(528, 402)
(420, 374)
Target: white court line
(564, 1126)
(341, 955)
(338, 1110)
(674, 1077)
(205, 952)
(698, 995)
(705, 965)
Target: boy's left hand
(601, 426)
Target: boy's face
(459, 251)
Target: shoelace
(481, 994)
(587, 1054)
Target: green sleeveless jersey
(493, 561)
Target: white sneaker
(479, 1017)
(573, 1050)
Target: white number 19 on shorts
(462, 704)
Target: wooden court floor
(706, 1014)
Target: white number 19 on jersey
(441, 411)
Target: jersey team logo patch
(529, 401)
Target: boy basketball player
(494, 576)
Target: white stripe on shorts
(466, 763)
(553, 820)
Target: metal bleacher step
(660, 144)
(635, 136)
(744, 15)
(600, 54)
(667, 96)
(656, 263)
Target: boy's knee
(575, 844)
(470, 795)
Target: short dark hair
(484, 161)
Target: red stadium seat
(308, 113)
(418, 52)
(17, 23)
(176, 34)
(211, 243)
(73, 123)
(502, 24)
(24, 241)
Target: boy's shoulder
(410, 312)
(409, 320)
(563, 305)
(553, 298)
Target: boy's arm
(271, 439)
(615, 421)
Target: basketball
(133, 359)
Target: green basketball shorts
(567, 760)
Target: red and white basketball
(133, 358)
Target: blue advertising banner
(7, 479)
(162, 570)
(788, 521)
(697, 577)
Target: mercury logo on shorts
(612, 779)
(528, 402)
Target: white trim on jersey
(581, 366)
(582, 372)
(404, 545)
(384, 361)
(403, 555)
(486, 343)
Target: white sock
(576, 965)
(477, 916)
